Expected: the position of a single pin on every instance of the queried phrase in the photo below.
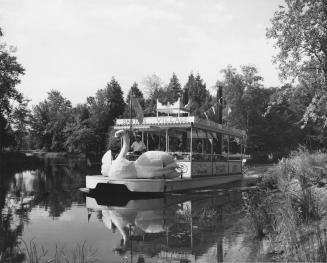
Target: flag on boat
(211, 112)
(138, 109)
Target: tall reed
(81, 253)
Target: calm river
(43, 208)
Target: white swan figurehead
(151, 164)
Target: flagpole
(130, 117)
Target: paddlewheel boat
(204, 153)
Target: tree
(107, 105)
(246, 101)
(7, 137)
(174, 89)
(20, 122)
(136, 93)
(199, 97)
(299, 29)
(49, 119)
(79, 136)
(81, 139)
(10, 73)
(294, 100)
(233, 90)
(153, 87)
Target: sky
(77, 46)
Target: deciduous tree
(49, 119)
(299, 29)
(10, 73)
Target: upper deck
(166, 122)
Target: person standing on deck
(138, 146)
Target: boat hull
(162, 185)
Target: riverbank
(289, 208)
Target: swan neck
(125, 147)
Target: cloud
(178, 3)
(130, 16)
(219, 7)
(217, 18)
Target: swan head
(120, 133)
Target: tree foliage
(174, 89)
(153, 89)
(246, 101)
(136, 93)
(107, 105)
(79, 136)
(49, 120)
(10, 73)
(20, 123)
(299, 28)
(199, 98)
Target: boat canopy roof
(165, 122)
(174, 108)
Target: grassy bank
(290, 208)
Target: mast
(219, 117)
(130, 117)
(220, 104)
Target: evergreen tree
(174, 89)
(136, 93)
(20, 121)
(116, 99)
(199, 97)
(107, 105)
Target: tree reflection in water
(48, 184)
(179, 227)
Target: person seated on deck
(138, 146)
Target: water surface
(44, 205)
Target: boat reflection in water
(171, 228)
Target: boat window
(217, 142)
(155, 140)
(217, 147)
(235, 148)
(202, 145)
(225, 146)
(179, 143)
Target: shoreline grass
(290, 208)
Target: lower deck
(195, 169)
(163, 185)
